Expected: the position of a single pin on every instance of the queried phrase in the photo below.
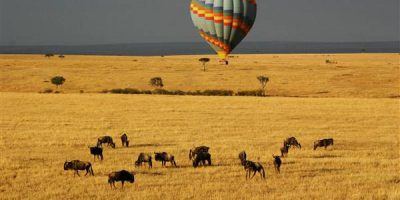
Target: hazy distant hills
(154, 49)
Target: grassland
(353, 75)
(40, 131)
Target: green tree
(204, 61)
(58, 80)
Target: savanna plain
(354, 99)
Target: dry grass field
(303, 75)
(357, 106)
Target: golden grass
(304, 75)
(38, 132)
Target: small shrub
(146, 92)
(156, 82)
(194, 93)
(116, 91)
(218, 93)
(125, 91)
(57, 80)
(132, 91)
(177, 92)
(263, 82)
(161, 91)
(330, 61)
(257, 93)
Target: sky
(82, 22)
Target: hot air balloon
(223, 24)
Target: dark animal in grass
(193, 152)
(144, 158)
(124, 140)
(106, 140)
(254, 167)
(78, 165)
(121, 176)
(323, 143)
(242, 157)
(164, 157)
(96, 152)
(201, 158)
(285, 150)
(292, 141)
(277, 163)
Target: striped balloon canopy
(223, 24)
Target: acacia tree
(58, 80)
(263, 82)
(156, 82)
(204, 61)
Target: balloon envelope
(223, 24)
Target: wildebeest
(122, 176)
(254, 167)
(106, 140)
(285, 150)
(124, 140)
(164, 157)
(277, 163)
(193, 152)
(79, 165)
(144, 158)
(292, 141)
(202, 157)
(242, 157)
(96, 152)
(323, 143)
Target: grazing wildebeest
(142, 158)
(202, 157)
(242, 157)
(323, 143)
(124, 140)
(96, 152)
(285, 150)
(79, 165)
(254, 167)
(292, 141)
(106, 140)
(122, 176)
(277, 163)
(193, 152)
(164, 157)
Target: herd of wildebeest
(198, 155)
